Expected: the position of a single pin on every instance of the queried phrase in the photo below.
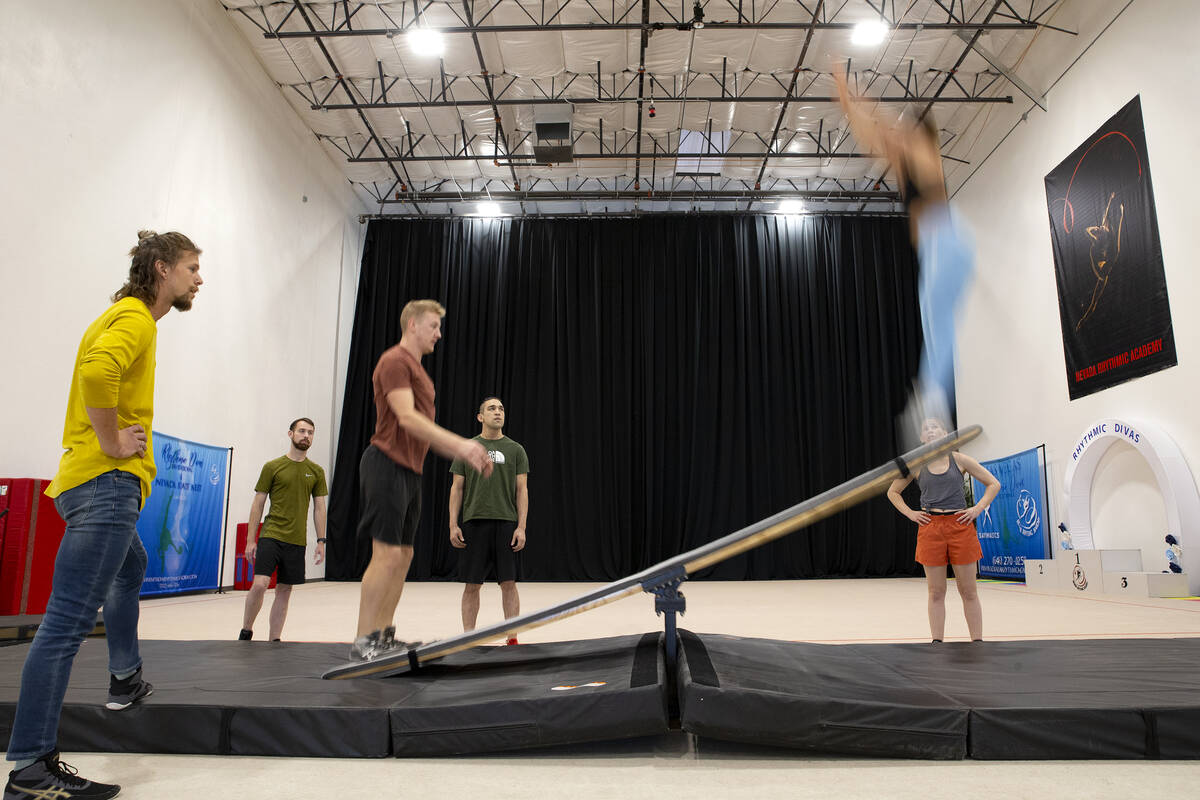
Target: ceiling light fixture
(426, 42)
(869, 33)
(697, 16)
(790, 207)
(488, 209)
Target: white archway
(1180, 497)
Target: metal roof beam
(630, 213)
(592, 101)
(595, 27)
(735, 195)
(528, 159)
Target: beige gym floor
(830, 611)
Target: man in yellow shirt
(102, 483)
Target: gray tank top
(942, 491)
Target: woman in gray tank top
(946, 532)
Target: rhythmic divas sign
(1181, 500)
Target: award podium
(1102, 572)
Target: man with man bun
(102, 484)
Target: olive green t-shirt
(290, 484)
(494, 497)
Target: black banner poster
(1112, 290)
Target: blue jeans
(101, 562)
(946, 251)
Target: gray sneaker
(125, 692)
(388, 640)
(366, 647)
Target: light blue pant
(101, 562)
(946, 251)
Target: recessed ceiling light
(488, 209)
(426, 42)
(869, 33)
(790, 207)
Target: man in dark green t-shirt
(289, 481)
(493, 516)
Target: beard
(183, 302)
(301, 445)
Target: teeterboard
(843, 496)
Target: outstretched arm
(448, 444)
(868, 131)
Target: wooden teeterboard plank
(843, 496)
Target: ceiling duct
(552, 127)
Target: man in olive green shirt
(494, 509)
(289, 481)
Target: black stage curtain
(673, 379)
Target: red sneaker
(512, 640)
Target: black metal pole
(1047, 542)
(225, 524)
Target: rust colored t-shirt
(398, 369)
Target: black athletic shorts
(389, 499)
(489, 551)
(273, 554)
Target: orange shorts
(944, 540)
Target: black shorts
(389, 499)
(273, 554)
(489, 551)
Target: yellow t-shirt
(113, 369)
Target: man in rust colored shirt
(390, 472)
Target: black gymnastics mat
(1044, 700)
(268, 699)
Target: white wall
(128, 114)
(1012, 377)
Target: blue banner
(1014, 526)
(181, 523)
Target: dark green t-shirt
(494, 497)
(290, 484)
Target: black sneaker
(125, 692)
(246, 635)
(50, 778)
